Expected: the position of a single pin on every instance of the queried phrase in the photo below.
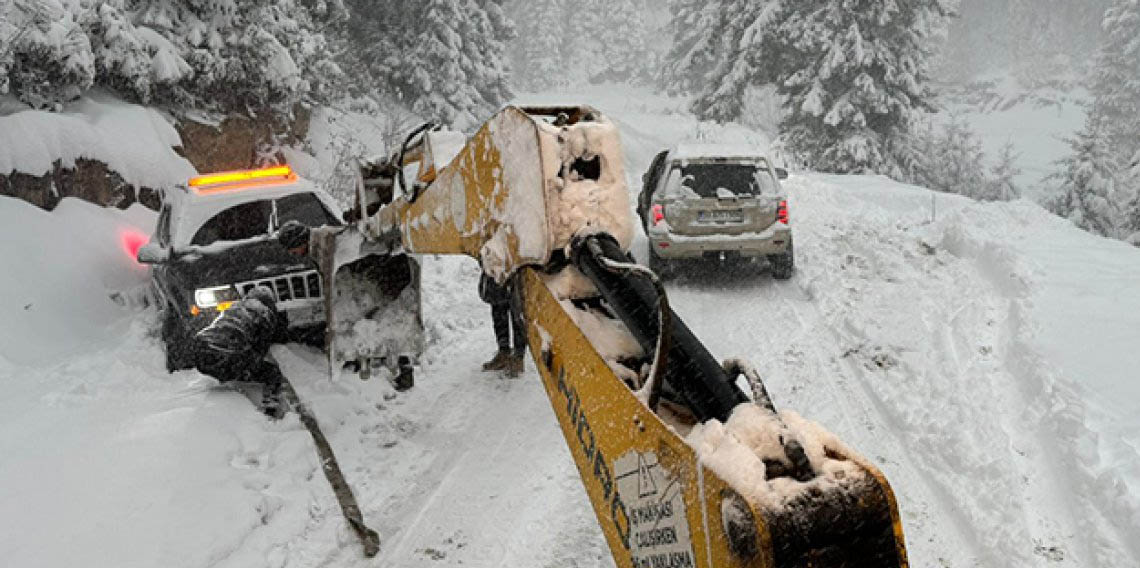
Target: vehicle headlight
(215, 296)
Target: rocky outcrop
(236, 142)
(89, 180)
(240, 142)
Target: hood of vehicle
(239, 263)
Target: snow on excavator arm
(681, 466)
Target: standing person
(234, 346)
(505, 318)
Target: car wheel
(783, 264)
(178, 355)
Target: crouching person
(235, 345)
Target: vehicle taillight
(658, 214)
(132, 240)
(782, 212)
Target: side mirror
(781, 173)
(151, 253)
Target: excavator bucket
(372, 304)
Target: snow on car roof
(692, 151)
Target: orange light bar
(240, 175)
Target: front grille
(296, 286)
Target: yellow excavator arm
(682, 467)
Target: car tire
(174, 341)
(783, 264)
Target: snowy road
(939, 350)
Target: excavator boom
(682, 467)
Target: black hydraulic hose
(661, 350)
(412, 196)
(690, 370)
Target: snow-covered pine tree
(698, 40)
(439, 84)
(492, 40)
(1088, 182)
(45, 56)
(1002, 185)
(194, 54)
(1131, 223)
(538, 59)
(856, 78)
(617, 32)
(950, 160)
(122, 59)
(748, 56)
(459, 76)
(1115, 81)
(442, 58)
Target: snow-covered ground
(984, 360)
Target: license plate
(721, 216)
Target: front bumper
(300, 314)
(774, 240)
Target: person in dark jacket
(234, 346)
(508, 324)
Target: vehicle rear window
(711, 180)
(253, 219)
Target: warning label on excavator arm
(659, 529)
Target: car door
(649, 181)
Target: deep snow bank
(136, 142)
(68, 275)
(998, 342)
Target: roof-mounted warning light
(237, 179)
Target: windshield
(719, 180)
(256, 218)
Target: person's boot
(515, 366)
(271, 403)
(498, 362)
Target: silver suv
(715, 202)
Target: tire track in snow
(779, 327)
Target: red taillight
(132, 241)
(658, 214)
(782, 212)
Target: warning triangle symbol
(645, 484)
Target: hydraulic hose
(690, 370)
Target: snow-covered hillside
(984, 360)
